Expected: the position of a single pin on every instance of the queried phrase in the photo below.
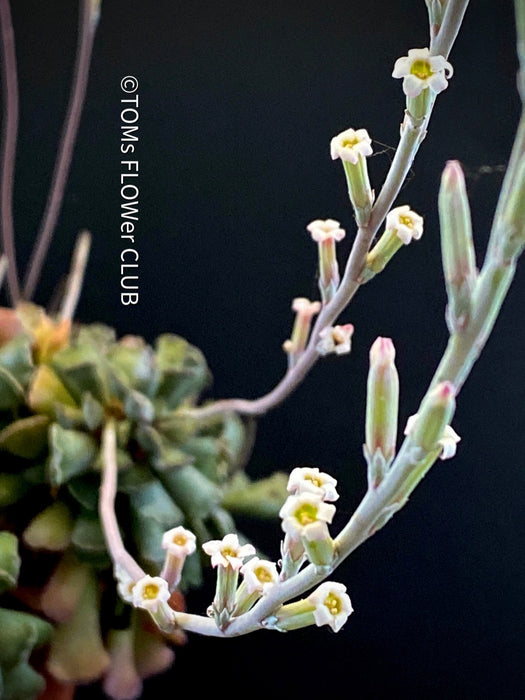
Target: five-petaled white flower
(324, 230)
(179, 542)
(228, 551)
(420, 71)
(349, 145)
(259, 575)
(332, 605)
(149, 592)
(406, 223)
(336, 339)
(311, 480)
(302, 511)
(448, 441)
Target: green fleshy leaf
(72, 452)
(20, 633)
(9, 561)
(23, 683)
(51, 529)
(154, 512)
(93, 411)
(17, 358)
(85, 489)
(88, 539)
(11, 391)
(26, 437)
(95, 335)
(163, 454)
(183, 369)
(12, 488)
(77, 653)
(196, 495)
(135, 479)
(79, 369)
(47, 391)
(209, 459)
(262, 499)
(138, 407)
(133, 361)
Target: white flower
(302, 511)
(336, 339)
(149, 592)
(448, 441)
(259, 575)
(179, 542)
(125, 584)
(323, 230)
(420, 71)
(406, 223)
(332, 605)
(228, 551)
(311, 480)
(350, 144)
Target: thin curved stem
(88, 20)
(9, 138)
(76, 276)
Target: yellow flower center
(181, 540)
(263, 575)
(406, 221)
(350, 142)
(333, 603)
(315, 480)
(306, 514)
(421, 69)
(150, 592)
(228, 552)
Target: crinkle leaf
(72, 452)
(11, 391)
(50, 529)
(9, 561)
(77, 652)
(20, 633)
(12, 488)
(183, 370)
(88, 539)
(163, 454)
(46, 391)
(85, 489)
(16, 357)
(80, 370)
(95, 335)
(262, 499)
(26, 437)
(138, 407)
(134, 363)
(23, 683)
(92, 411)
(196, 495)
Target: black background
(238, 103)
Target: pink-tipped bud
(382, 400)
(428, 427)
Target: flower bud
(427, 429)
(382, 401)
(457, 249)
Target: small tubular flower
(302, 511)
(421, 71)
(349, 145)
(228, 552)
(125, 584)
(332, 605)
(259, 575)
(326, 233)
(305, 310)
(406, 223)
(312, 480)
(179, 542)
(335, 339)
(150, 592)
(448, 441)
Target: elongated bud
(382, 402)
(457, 249)
(353, 147)
(436, 10)
(326, 233)
(429, 426)
(514, 216)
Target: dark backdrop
(238, 102)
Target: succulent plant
(59, 383)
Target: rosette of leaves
(58, 385)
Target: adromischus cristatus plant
(146, 412)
